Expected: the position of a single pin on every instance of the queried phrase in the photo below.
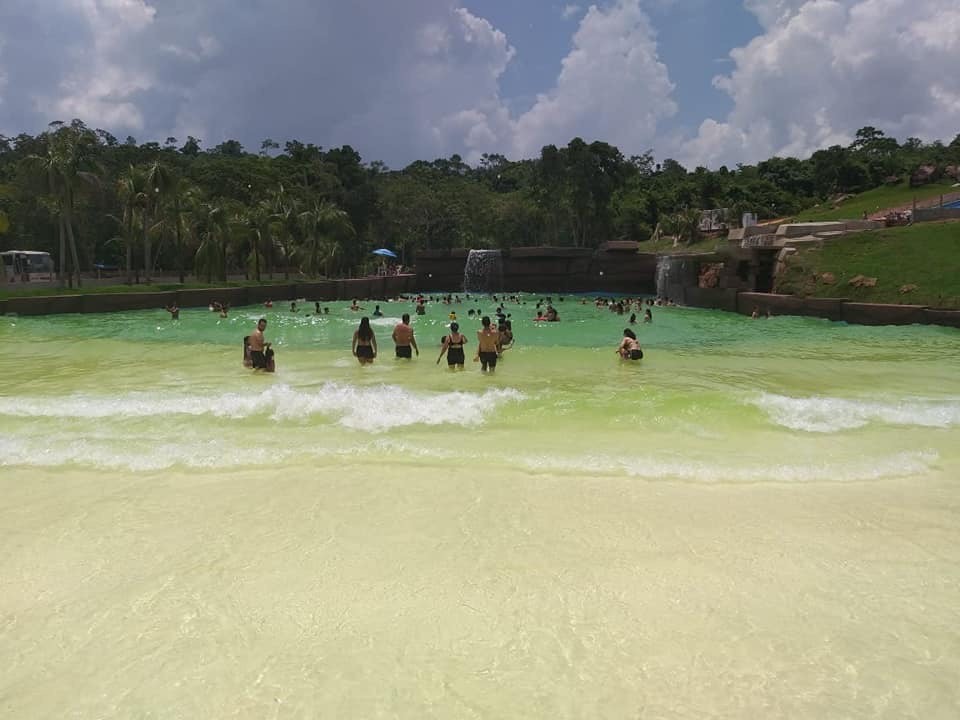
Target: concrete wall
(375, 287)
(841, 309)
(936, 213)
(547, 270)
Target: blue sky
(707, 82)
(695, 40)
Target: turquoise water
(759, 519)
(777, 390)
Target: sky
(706, 82)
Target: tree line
(88, 198)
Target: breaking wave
(825, 414)
(374, 409)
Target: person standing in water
(259, 346)
(364, 342)
(453, 348)
(488, 339)
(174, 311)
(404, 339)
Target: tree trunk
(130, 248)
(73, 243)
(256, 255)
(147, 255)
(176, 209)
(62, 275)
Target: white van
(27, 265)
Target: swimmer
(453, 348)
(364, 342)
(421, 309)
(268, 304)
(552, 315)
(452, 316)
(258, 346)
(293, 307)
(403, 338)
(316, 309)
(633, 318)
(376, 312)
(354, 305)
(629, 348)
(756, 312)
(174, 311)
(488, 345)
(647, 316)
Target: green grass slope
(926, 255)
(881, 198)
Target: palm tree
(287, 225)
(131, 187)
(160, 182)
(211, 227)
(69, 161)
(72, 154)
(324, 228)
(256, 221)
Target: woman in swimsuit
(629, 348)
(364, 342)
(453, 347)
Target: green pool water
(758, 518)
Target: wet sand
(351, 592)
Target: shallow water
(758, 519)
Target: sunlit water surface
(760, 519)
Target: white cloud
(398, 81)
(824, 68)
(611, 87)
(570, 11)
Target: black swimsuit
(455, 354)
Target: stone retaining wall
(546, 269)
(842, 309)
(375, 287)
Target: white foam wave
(222, 454)
(374, 409)
(826, 414)
(904, 464)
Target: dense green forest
(87, 197)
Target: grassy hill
(925, 255)
(880, 198)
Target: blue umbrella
(383, 252)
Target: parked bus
(27, 265)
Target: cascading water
(673, 271)
(483, 272)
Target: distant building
(713, 220)
(923, 175)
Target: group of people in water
(493, 338)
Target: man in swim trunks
(404, 339)
(488, 342)
(258, 345)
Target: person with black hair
(403, 338)
(452, 347)
(488, 339)
(629, 348)
(364, 342)
(258, 346)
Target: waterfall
(483, 272)
(673, 271)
